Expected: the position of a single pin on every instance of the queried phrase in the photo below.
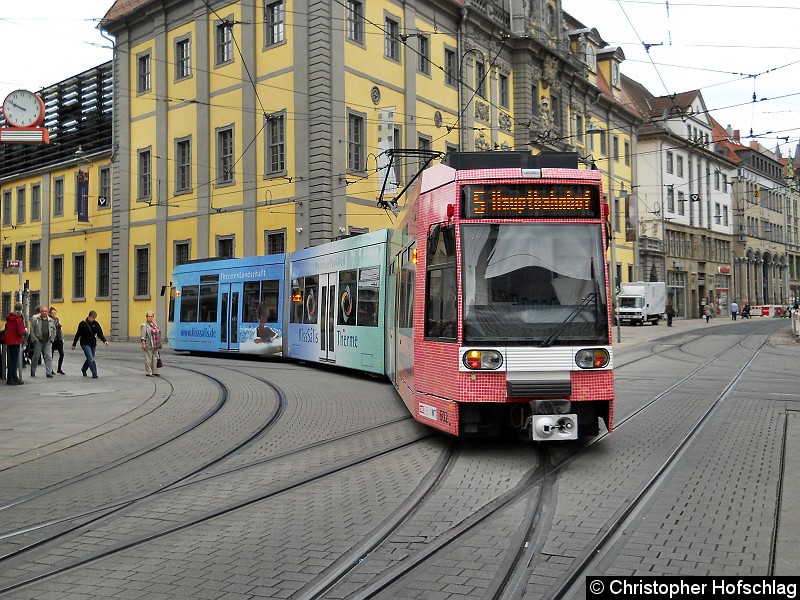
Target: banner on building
(386, 142)
(83, 196)
(631, 217)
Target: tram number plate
(427, 411)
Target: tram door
(229, 309)
(327, 317)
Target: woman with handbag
(151, 344)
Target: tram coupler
(550, 420)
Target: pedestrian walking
(670, 310)
(734, 310)
(12, 337)
(151, 344)
(43, 332)
(708, 312)
(88, 332)
(58, 343)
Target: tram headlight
(483, 360)
(592, 358)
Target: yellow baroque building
(245, 128)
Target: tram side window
(347, 298)
(368, 296)
(189, 297)
(208, 303)
(269, 299)
(311, 300)
(250, 299)
(441, 285)
(296, 314)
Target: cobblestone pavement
(48, 425)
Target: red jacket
(15, 329)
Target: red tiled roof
(121, 8)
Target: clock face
(23, 109)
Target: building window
(355, 21)
(603, 144)
(183, 251)
(355, 142)
(615, 147)
(144, 191)
(35, 262)
(58, 197)
(551, 18)
(57, 287)
(424, 55)
(6, 208)
(480, 79)
(555, 110)
(682, 204)
(104, 187)
(627, 153)
(424, 143)
(21, 205)
(183, 165)
(716, 180)
(579, 130)
(36, 202)
(615, 75)
(6, 253)
(141, 284)
(79, 276)
(276, 143)
(275, 241)
(223, 38)
(397, 139)
(670, 167)
(225, 156)
(679, 166)
(275, 20)
(143, 66)
(6, 303)
(36, 300)
(225, 247)
(450, 74)
(671, 199)
(391, 39)
(183, 58)
(503, 83)
(19, 254)
(104, 274)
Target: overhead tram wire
(641, 41)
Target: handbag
(159, 364)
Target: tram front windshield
(539, 283)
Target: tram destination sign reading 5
(532, 201)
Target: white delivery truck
(640, 301)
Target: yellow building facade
(245, 128)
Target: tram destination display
(531, 201)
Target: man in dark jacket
(12, 338)
(88, 332)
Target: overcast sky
(714, 46)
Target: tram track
(196, 520)
(521, 561)
(593, 555)
(69, 526)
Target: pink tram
(498, 297)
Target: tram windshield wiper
(548, 341)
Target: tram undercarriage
(539, 420)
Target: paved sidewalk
(629, 335)
(67, 408)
